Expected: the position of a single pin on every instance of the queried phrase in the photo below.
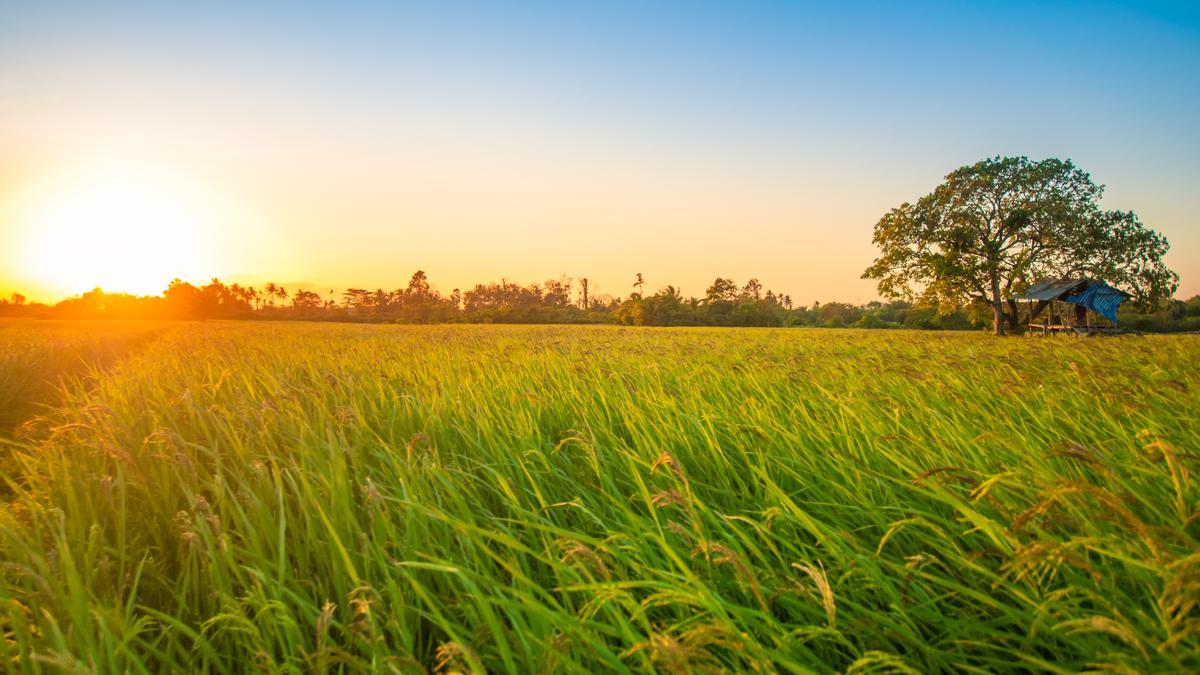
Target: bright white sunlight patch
(122, 226)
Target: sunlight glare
(119, 226)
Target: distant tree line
(564, 300)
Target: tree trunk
(1014, 317)
(997, 307)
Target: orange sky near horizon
(131, 155)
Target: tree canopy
(995, 227)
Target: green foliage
(303, 497)
(723, 305)
(1174, 316)
(993, 228)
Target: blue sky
(360, 141)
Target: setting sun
(120, 226)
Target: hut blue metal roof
(1090, 293)
(1101, 299)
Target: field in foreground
(300, 498)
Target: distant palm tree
(640, 284)
(254, 297)
(242, 294)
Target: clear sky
(351, 143)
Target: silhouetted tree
(306, 303)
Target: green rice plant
(334, 498)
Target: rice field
(231, 497)
(38, 357)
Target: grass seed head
(452, 657)
(823, 588)
(671, 462)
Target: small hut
(1073, 303)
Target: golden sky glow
(117, 226)
(332, 148)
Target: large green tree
(993, 228)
